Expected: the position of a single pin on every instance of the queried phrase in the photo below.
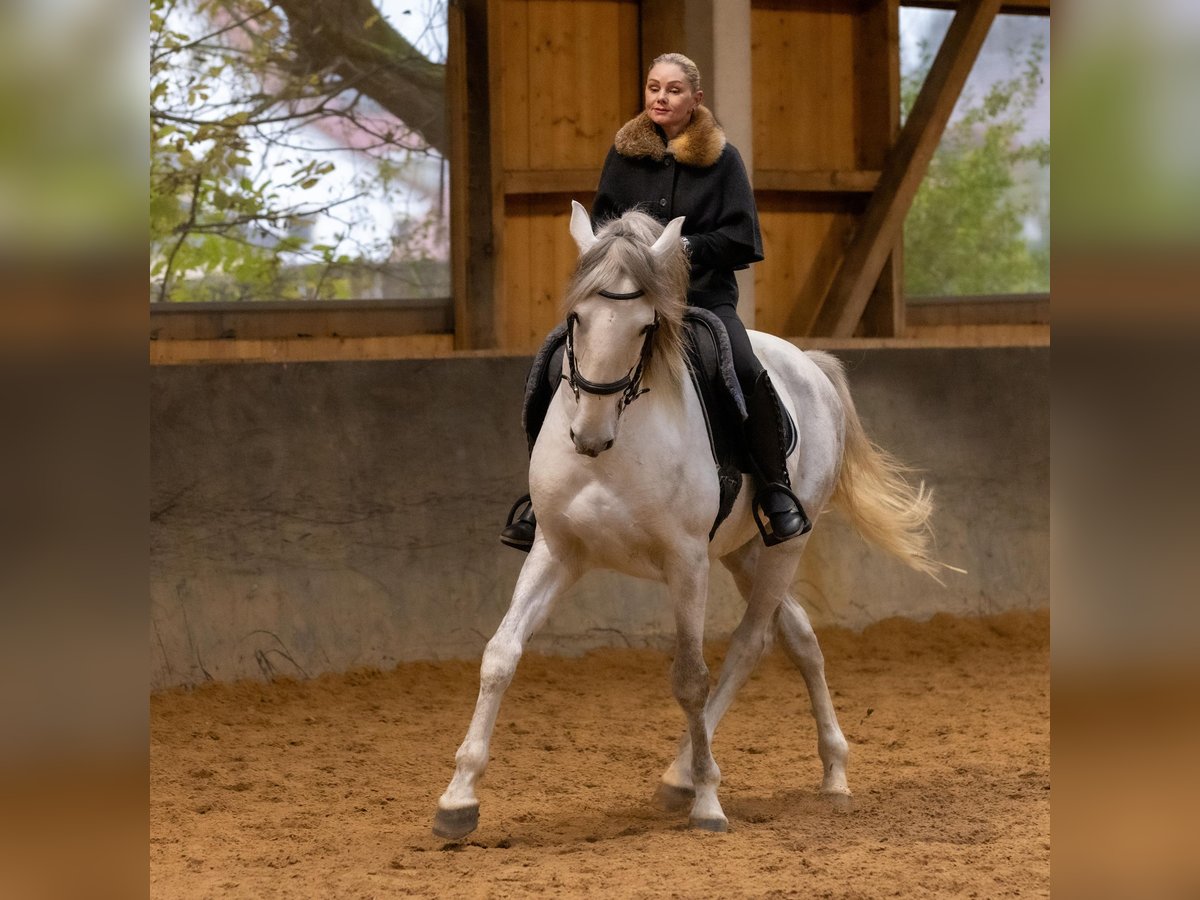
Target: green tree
(964, 233)
(235, 83)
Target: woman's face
(669, 98)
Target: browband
(613, 295)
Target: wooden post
(729, 95)
(903, 170)
(716, 36)
(474, 250)
(678, 26)
(879, 66)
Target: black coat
(698, 175)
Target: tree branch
(183, 234)
(350, 38)
(155, 57)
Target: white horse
(644, 505)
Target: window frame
(1021, 308)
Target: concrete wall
(322, 516)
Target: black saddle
(710, 364)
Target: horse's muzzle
(592, 450)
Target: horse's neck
(668, 397)
(667, 420)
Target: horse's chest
(629, 506)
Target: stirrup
(519, 530)
(770, 538)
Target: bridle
(630, 386)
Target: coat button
(662, 201)
(667, 161)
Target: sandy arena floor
(327, 788)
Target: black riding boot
(519, 530)
(766, 434)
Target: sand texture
(327, 788)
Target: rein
(630, 386)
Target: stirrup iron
(519, 517)
(770, 539)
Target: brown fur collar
(700, 144)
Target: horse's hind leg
(762, 580)
(541, 582)
(801, 645)
(746, 648)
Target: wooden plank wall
(825, 110)
(567, 76)
(825, 102)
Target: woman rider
(673, 160)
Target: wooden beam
(474, 251)
(878, 63)
(417, 346)
(679, 25)
(488, 188)
(905, 166)
(459, 127)
(1004, 309)
(1008, 7)
(815, 181)
(884, 314)
(551, 181)
(267, 321)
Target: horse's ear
(668, 241)
(581, 227)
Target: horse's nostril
(572, 435)
(608, 445)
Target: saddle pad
(542, 382)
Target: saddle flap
(711, 356)
(710, 364)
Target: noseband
(630, 387)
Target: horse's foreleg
(542, 580)
(801, 645)
(688, 584)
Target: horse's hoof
(718, 825)
(839, 799)
(456, 823)
(674, 799)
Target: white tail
(872, 488)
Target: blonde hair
(690, 71)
